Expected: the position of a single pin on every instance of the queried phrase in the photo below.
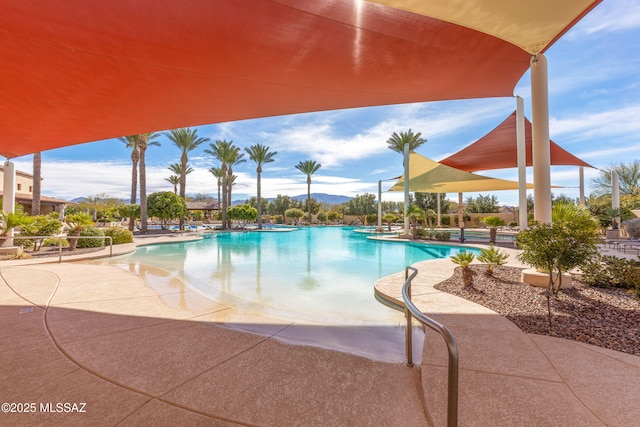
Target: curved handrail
(412, 311)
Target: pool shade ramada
(429, 176)
(498, 150)
(76, 71)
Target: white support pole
(438, 208)
(540, 134)
(9, 195)
(379, 205)
(581, 174)
(521, 144)
(406, 189)
(615, 193)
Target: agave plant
(464, 259)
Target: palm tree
(178, 171)
(405, 143)
(145, 140)
(217, 173)
(308, 167)
(260, 155)
(186, 140)
(225, 152)
(174, 180)
(235, 158)
(416, 214)
(37, 184)
(132, 142)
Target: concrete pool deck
(81, 333)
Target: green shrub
(513, 224)
(445, 220)
(90, 243)
(492, 257)
(55, 242)
(613, 272)
(464, 259)
(442, 235)
(119, 235)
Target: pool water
(323, 274)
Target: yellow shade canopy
(428, 176)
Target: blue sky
(594, 109)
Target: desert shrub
(445, 220)
(632, 228)
(119, 235)
(613, 272)
(54, 242)
(492, 257)
(464, 259)
(442, 235)
(90, 243)
(513, 224)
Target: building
(24, 194)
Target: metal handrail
(412, 311)
(18, 237)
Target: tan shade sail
(76, 71)
(428, 176)
(498, 150)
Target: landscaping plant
(493, 222)
(492, 257)
(464, 260)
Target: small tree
(464, 260)
(244, 213)
(42, 225)
(415, 214)
(568, 242)
(321, 217)
(77, 222)
(492, 257)
(131, 211)
(294, 214)
(390, 218)
(333, 216)
(493, 222)
(166, 206)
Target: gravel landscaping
(608, 318)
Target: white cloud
(609, 16)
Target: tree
(131, 211)
(629, 174)
(41, 225)
(217, 173)
(166, 206)
(322, 217)
(568, 242)
(77, 222)
(295, 214)
(260, 154)
(415, 214)
(132, 143)
(398, 142)
(187, 140)
(430, 201)
(142, 142)
(308, 167)
(244, 213)
(264, 203)
(279, 206)
(333, 216)
(493, 222)
(562, 198)
(223, 150)
(389, 218)
(464, 259)
(361, 206)
(174, 180)
(482, 204)
(37, 183)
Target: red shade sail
(76, 71)
(498, 150)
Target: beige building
(24, 194)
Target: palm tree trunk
(134, 185)
(259, 204)
(309, 197)
(143, 190)
(183, 181)
(37, 183)
(224, 196)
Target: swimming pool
(323, 274)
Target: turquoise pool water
(317, 273)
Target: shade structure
(429, 176)
(498, 150)
(76, 71)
